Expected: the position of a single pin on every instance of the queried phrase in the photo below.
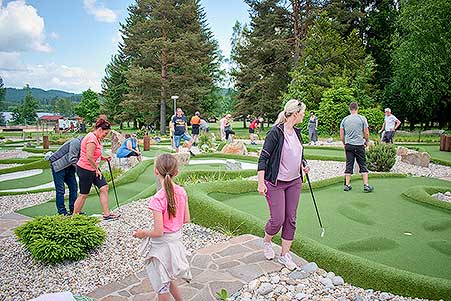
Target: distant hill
(14, 95)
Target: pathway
(9, 222)
(227, 266)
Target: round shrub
(381, 156)
(375, 118)
(54, 239)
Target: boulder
(236, 148)
(116, 140)
(413, 157)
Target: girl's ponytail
(166, 165)
(169, 189)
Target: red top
(254, 124)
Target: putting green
(43, 178)
(381, 226)
(126, 192)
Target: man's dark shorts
(355, 152)
(86, 178)
(388, 137)
(251, 131)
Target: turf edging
(422, 194)
(41, 164)
(356, 270)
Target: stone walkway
(9, 222)
(227, 266)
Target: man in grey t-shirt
(354, 134)
(390, 125)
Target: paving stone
(142, 288)
(145, 297)
(208, 276)
(114, 298)
(188, 292)
(201, 261)
(213, 266)
(253, 258)
(233, 250)
(231, 287)
(242, 239)
(105, 290)
(130, 280)
(203, 294)
(124, 293)
(213, 249)
(227, 265)
(197, 285)
(246, 273)
(269, 266)
(195, 271)
(142, 274)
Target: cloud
(99, 11)
(47, 76)
(54, 35)
(21, 28)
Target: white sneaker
(287, 261)
(268, 251)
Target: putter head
(323, 231)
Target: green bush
(54, 239)
(381, 157)
(375, 118)
(330, 115)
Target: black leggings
(355, 152)
(227, 133)
(132, 154)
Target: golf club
(112, 181)
(316, 208)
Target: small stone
(337, 280)
(275, 279)
(254, 284)
(283, 298)
(265, 288)
(385, 296)
(300, 296)
(291, 281)
(297, 275)
(310, 267)
(285, 271)
(327, 283)
(358, 298)
(264, 278)
(321, 272)
(247, 295)
(330, 275)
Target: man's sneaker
(192, 154)
(269, 252)
(367, 188)
(287, 261)
(347, 187)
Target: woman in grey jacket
(63, 163)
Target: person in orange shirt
(195, 124)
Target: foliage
(328, 55)
(54, 239)
(206, 143)
(222, 295)
(375, 118)
(262, 57)
(421, 90)
(381, 157)
(89, 106)
(2, 101)
(173, 52)
(117, 172)
(64, 107)
(25, 113)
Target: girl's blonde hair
(292, 106)
(167, 167)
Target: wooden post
(146, 142)
(448, 143)
(45, 143)
(442, 142)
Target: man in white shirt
(390, 125)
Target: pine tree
(172, 53)
(2, 101)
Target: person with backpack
(63, 164)
(355, 135)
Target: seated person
(129, 148)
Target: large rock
(413, 157)
(116, 140)
(182, 159)
(236, 148)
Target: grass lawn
(43, 178)
(373, 226)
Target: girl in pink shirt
(166, 258)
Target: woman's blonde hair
(292, 106)
(167, 167)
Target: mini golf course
(381, 240)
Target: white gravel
(24, 278)
(14, 154)
(11, 203)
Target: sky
(66, 45)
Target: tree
(25, 113)
(328, 56)
(263, 57)
(89, 106)
(64, 107)
(2, 101)
(421, 86)
(173, 53)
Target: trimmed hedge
(54, 239)
(211, 213)
(423, 194)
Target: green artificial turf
(371, 226)
(25, 182)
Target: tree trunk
(135, 124)
(244, 122)
(296, 20)
(164, 75)
(121, 125)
